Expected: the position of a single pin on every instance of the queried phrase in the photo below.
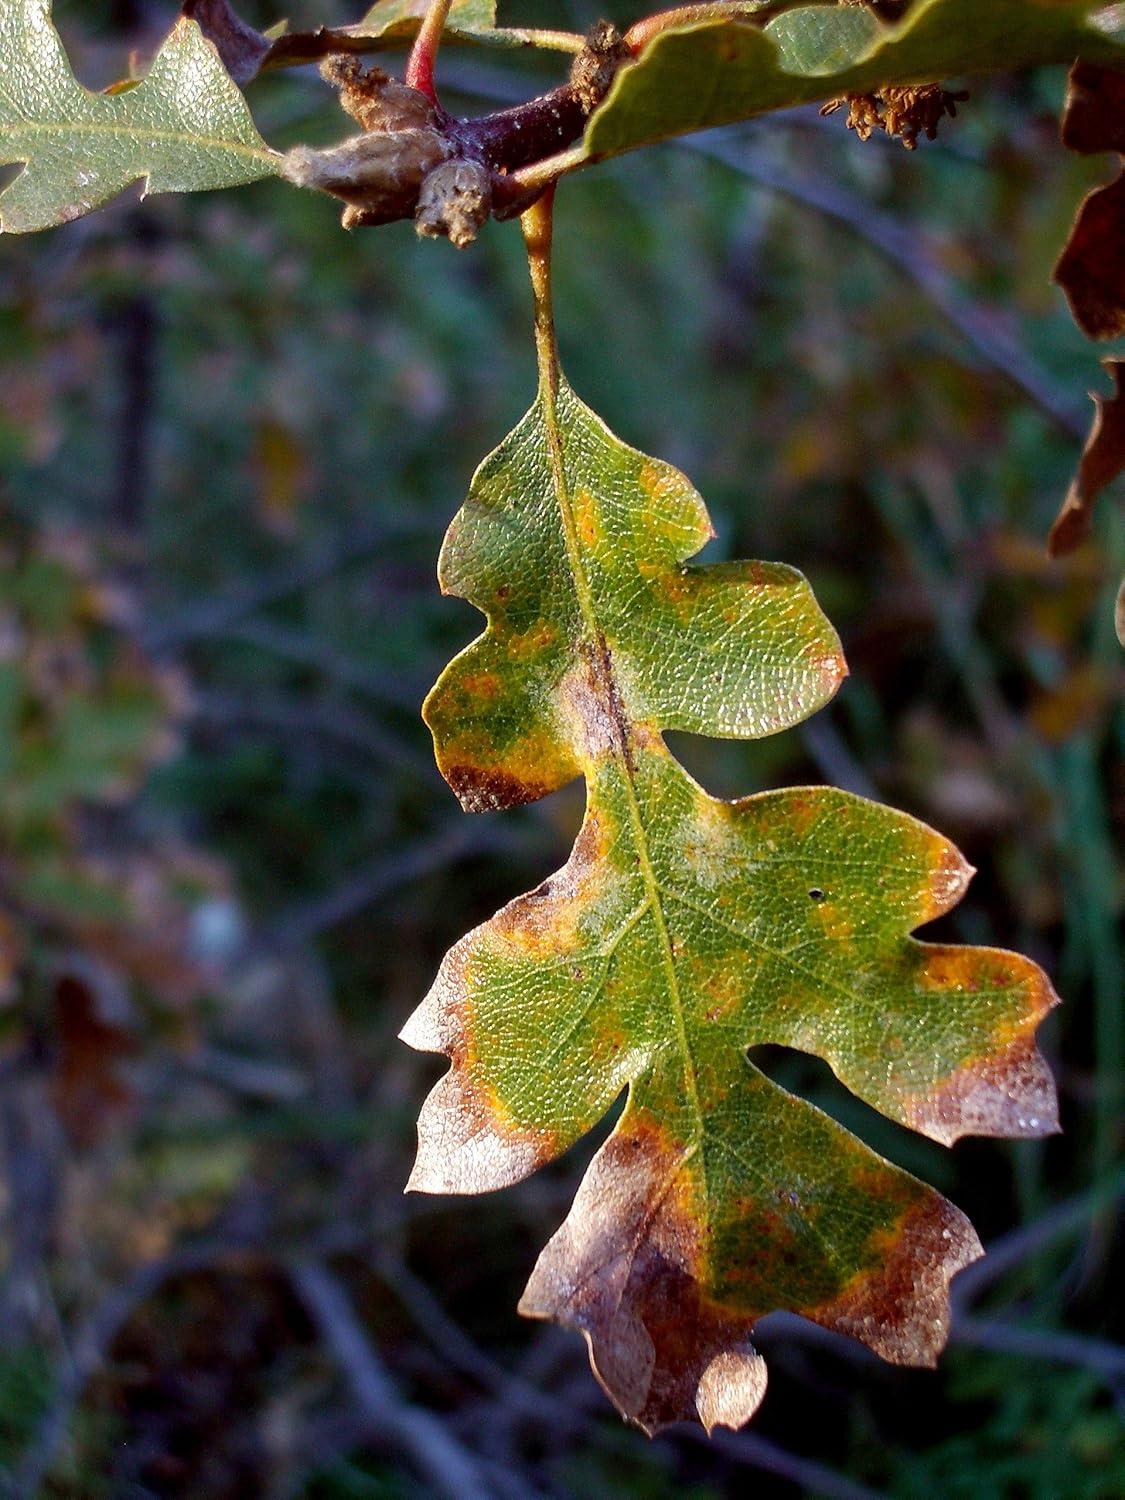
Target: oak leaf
(719, 72)
(684, 930)
(184, 127)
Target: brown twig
(448, 1466)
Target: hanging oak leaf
(685, 930)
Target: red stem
(420, 64)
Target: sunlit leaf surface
(684, 930)
(183, 128)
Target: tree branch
(449, 1467)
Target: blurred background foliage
(230, 439)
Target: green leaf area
(183, 128)
(387, 25)
(717, 73)
(682, 931)
(394, 21)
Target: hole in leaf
(810, 1078)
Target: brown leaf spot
(1103, 459)
(621, 1271)
(485, 789)
(586, 518)
(724, 987)
(481, 684)
(900, 1308)
(833, 923)
(531, 642)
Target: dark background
(260, 427)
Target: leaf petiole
(420, 64)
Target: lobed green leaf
(183, 128)
(683, 931)
(718, 73)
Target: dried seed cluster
(906, 111)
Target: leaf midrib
(179, 138)
(602, 667)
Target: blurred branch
(1053, 1346)
(89, 1351)
(550, 1410)
(212, 616)
(421, 857)
(1019, 1245)
(306, 651)
(449, 1467)
(830, 753)
(463, 1354)
(303, 717)
(811, 1477)
(907, 247)
(271, 1082)
(458, 839)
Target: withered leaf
(1091, 269)
(1103, 459)
(241, 48)
(684, 930)
(91, 1042)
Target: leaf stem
(537, 224)
(531, 36)
(538, 231)
(420, 64)
(642, 32)
(548, 171)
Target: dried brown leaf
(1091, 269)
(241, 48)
(1103, 459)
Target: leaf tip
(1004, 1087)
(466, 1144)
(901, 1308)
(731, 1389)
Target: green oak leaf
(685, 930)
(183, 128)
(733, 649)
(397, 20)
(717, 73)
(387, 25)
